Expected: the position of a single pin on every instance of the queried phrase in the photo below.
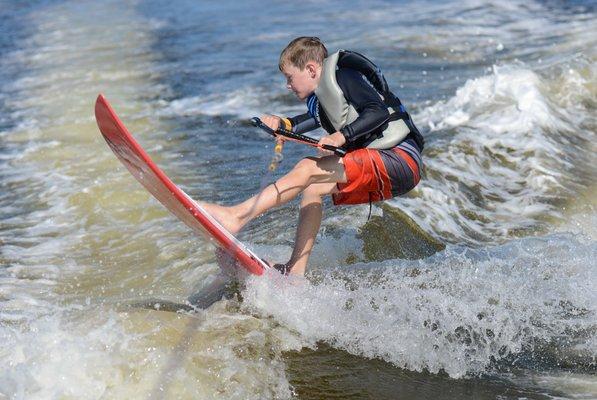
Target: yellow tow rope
(277, 158)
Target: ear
(311, 68)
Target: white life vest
(340, 113)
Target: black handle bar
(340, 152)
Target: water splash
(505, 154)
(460, 311)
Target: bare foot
(224, 215)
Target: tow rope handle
(296, 137)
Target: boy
(348, 96)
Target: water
(505, 95)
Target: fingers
(331, 140)
(336, 139)
(323, 141)
(271, 121)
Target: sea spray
(462, 311)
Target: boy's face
(302, 82)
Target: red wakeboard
(140, 165)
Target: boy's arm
(373, 113)
(301, 123)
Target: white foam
(502, 136)
(242, 103)
(457, 311)
(506, 103)
(100, 353)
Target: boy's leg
(308, 171)
(309, 222)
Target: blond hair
(302, 50)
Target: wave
(240, 104)
(506, 152)
(461, 311)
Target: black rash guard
(373, 113)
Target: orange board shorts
(375, 175)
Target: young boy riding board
(348, 96)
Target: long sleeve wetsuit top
(373, 113)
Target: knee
(311, 194)
(306, 167)
(311, 191)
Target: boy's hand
(271, 121)
(336, 139)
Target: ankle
(295, 267)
